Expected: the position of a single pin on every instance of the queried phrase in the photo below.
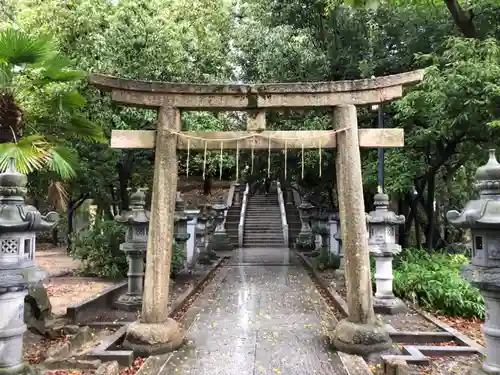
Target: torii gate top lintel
(253, 96)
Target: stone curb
(104, 298)
(338, 301)
(396, 367)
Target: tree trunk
(461, 18)
(431, 216)
(124, 174)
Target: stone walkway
(258, 319)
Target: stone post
(361, 332)
(134, 247)
(237, 194)
(382, 224)
(333, 223)
(180, 226)
(220, 239)
(289, 197)
(201, 234)
(210, 229)
(305, 238)
(339, 272)
(324, 232)
(482, 217)
(19, 223)
(156, 333)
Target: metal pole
(381, 150)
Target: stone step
(264, 244)
(263, 207)
(263, 238)
(263, 230)
(257, 225)
(263, 221)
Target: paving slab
(265, 319)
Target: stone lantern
(220, 239)
(482, 217)
(324, 232)
(339, 272)
(210, 229)
(181, 234)
(315, 229)
(19, 223)
(136, 220)
(201, 238)
(237, 194)
(289, 197)
(382, 224)
(305, 238)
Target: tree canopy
(448, 119)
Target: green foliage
(99, 249)
(40, 104)
(434, 283)
(305, 245)
(178, 258)
(326, 260)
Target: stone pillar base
(146, 339)
(221, 242)
(22, 369)
(388, 306)
(478, 370)
(361, 339)
(129, 302)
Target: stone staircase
(263, 226)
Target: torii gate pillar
(362, 332)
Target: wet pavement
(256, 317)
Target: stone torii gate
(361, 332)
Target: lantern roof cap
(485, 211)
(137, 213)
(15, 215)
(382, 214)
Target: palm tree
(41, 111)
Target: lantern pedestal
(136, 221)
(340, 272)
(132, 299)
(237, 195)
(181, 234)
(482, 217)
(201, 239)
(487, 280)
(385, 302)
